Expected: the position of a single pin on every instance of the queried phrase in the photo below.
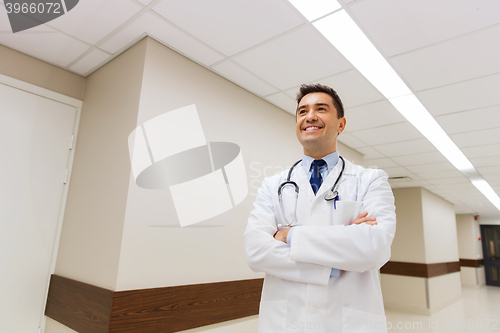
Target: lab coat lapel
(303, 183)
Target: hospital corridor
(250, 166)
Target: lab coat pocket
(356, 321)
(272, 317)
(347, 211)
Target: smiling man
(320, 231)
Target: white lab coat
(298, 293)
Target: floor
(477, 311)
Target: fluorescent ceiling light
(313, 9)
(411, 108)
(347, 37)
(485, 188)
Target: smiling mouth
(311, 128)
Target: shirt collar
(330, 159)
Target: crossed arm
(363, 245)
(281, 235)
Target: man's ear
(342, 123)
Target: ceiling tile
(489, 170)
(91, 60)
(372, 115)
(41, 42)
(492, 177)
(388, 134)
(285, 64)
(351, 141)
(439, 65)
(369, 152)
(487, 161)
(431, 187)
(379, 163)
(398, 26)
(406, 148)
(477, 138)
(457, 187)
(494, 183)
(352, 87)
(472, 120)
(467, 95)
(231, 26)
(417, 159)
(482, 151)
(165, 32)
(283, 101)
(431, 167)
(439, 174)
(92, 20)
(461, 179)
(398, 172)
(416, 183)
(243, 78)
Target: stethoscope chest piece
(331, 195)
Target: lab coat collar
(300, 177)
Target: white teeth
(311, 128)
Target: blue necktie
(316, 179)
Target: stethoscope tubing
(332, 194)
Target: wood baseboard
(89, 309)
(471, 262)
(420, 270)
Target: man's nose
(311, 116)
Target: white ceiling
(446, 51)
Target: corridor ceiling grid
(446, 51)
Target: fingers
(360, 216)
(364, 218)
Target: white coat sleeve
(266, 254)
(358, 247)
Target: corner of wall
(31, 70)
(91, 236)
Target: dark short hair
(318, 87)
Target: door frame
(488, 263)
(57, 97)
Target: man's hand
(361, 218)
(281, 235)
(364, 218)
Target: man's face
(317, 124)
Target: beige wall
(483, 220)
(470, 247)
(91, 235)
(426, 233)
(408, 244)
(444, 290)
(28, 69)
(404, 293)
(440, 229)
(469, 232)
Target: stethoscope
(332, 194)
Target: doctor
(321, 258)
